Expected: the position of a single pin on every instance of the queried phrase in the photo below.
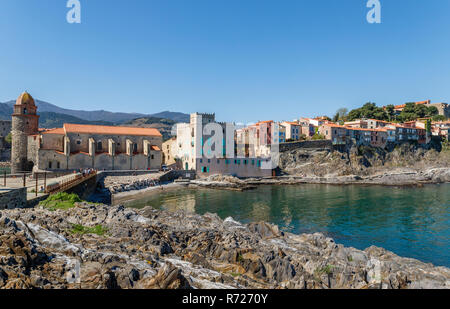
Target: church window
(50, 164)
(58, 165)
(99, 146)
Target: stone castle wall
(13, 198)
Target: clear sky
(246, 60)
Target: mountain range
(53, 116)
(98, 115)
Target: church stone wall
(103, 162)
(80, 142)
(80, 160)
(45, 157)
(53, 141)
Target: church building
(76, 146)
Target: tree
(439, 118)
(433, 111)
(8, 138)
(390, 110)
(342, 112)
(421, 111)
(336, 117)
(369, 110)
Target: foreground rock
(219, 181)
(158, 249)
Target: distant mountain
(50, 120)
(99, 115)
(177, 117)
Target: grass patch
(445, 145)
(83, 230)
(60, 200)
(325, 270)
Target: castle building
(198, 149)
(76, 146)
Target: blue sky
(246, 60)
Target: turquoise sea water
(410, 221)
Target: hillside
(50, 120)
(163, 125)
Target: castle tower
(25, 122)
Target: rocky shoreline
(98, 246)
(402, 177)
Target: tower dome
(25, 105)
(25, 99)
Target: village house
(366, 123)
(420, 126)
(169, 153)
(441, 129)
(293, 130)
(390, 131)
(405, 134)
(360, 136)
(336, 133)
(308, 129)
(359, 123)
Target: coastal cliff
(403, 165)
(98, 246)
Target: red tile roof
(110, 130)
(59, 131)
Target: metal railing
(69, 182)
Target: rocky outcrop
(222, 182)
(405, 164)
(118, 184)
(158, 249)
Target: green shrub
(61, 200)
(318, 136)
(83, 230)
(445, 145)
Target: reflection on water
(412, 222)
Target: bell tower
(25, 122)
